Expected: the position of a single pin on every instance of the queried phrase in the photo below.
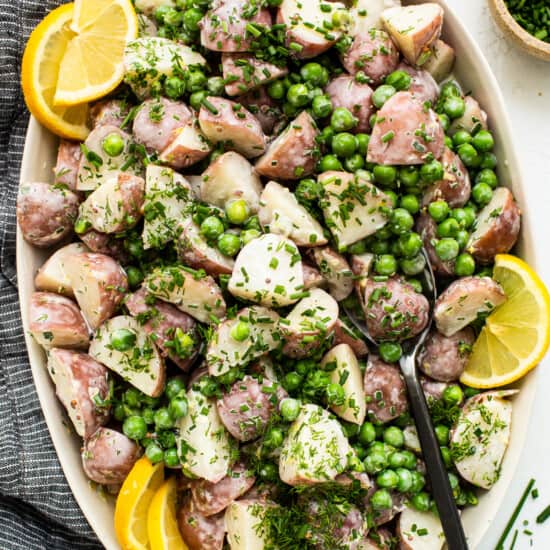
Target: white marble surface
(525, 83)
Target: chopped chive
(254, 31)
(388, 136)
(514, 540)
(544, 515)
(515, 515)
(207, 105)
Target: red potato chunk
(394, 310)
(56, 321)
(188, 147)
(441, 61)
(211, 498)
(496, 228)
(263, 107)
(464, 300)
(336, 271)
(416, 530)
(414, 28)
(108, 456)
(157, 122)
(46, 213)
(243, 72)
(112, 112)
(166, 324)
(105, 244)
(233, 124)
(115, 205)
(245, 411)
(99, 284)
(312, 277)
(223, 28)
(385, 390)
(200, 532)
(474, 118)
(373, 53)
(294, 153)
(423, 86)
(433, 391)
(405, 132)
(344, 333)
(82, 386)
(426, 227)
(455, 187)
(307, 26)
(444, 358)
(345, 91)
(66, 166)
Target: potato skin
(85, 378)
(46, 213)
(426, 227)
(108, 456)
(423, 86)
(410, 308)
(385, 379)
(444, 358)
(102, 243)
(108, 112)
(56, 321)
(200, 532)
(66, 166)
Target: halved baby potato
(227, 349)
(189, 290)
(419, 530)
(245, 525)
(441, 61)
(344, 370)
(336, 271)
(138, 361)
(187, 148)
(204, 446)
(268, 271)
(281, 213)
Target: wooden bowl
(518, 34)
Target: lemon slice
(93, 62)
(517, 334)
(39, 72)
(132, 504)
(162, 525)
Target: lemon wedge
(162, 524)
(133, 501)
(92, 65)
(39, 74)
(517, 334)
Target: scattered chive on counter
(533, 16)
(544, 515)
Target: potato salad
(265, 165)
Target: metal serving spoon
(441, 488)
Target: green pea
(462, 237)
(445, 121)
(336, 394)
(446, 456)
(292, 381)
(410, 203)
(469, 156)
(173, 17)
(163, 419)
(321, 106)
(196, 99)
(483, 141)
(208, 386)
(360, 451)
(406, 459)
(482, 193)
(394, 436)
(385, 265)
(450, 89)
(276, 89)
(410, 244)
(268, 472)
(401, 221)
(298, 95)
(432, 171)
(344, 144)
(171, 459)
(360, 247)
(413, 266)
(400, 80)
(454, 107)
(240, 331)
(465, 265)
(229, 244)
(342, 120)
(329, 163)
(375, 462)
(487, 176)
(384, 175)
(453, 395)
(390, 352)
(174, 387)
(448, 143)
(409, 176)
(314, 73)
(113, 144)
(237, 211)
(470, 216)
(488, 160)
(447, 249)
(178, 408)
(381, 500)
(215, 85)
(119, 412)
(123, 339)
(212, 227)
(382, 94)
(442, 434)
(191, 19)
(460, 215)
(448, 228)
(135, 276)
(249, 235)
(421, 501)
(461, 137)
(418, 481)
(387, 479)
(160, 12)
(134, 427)
(196, 80)
(392, 195)
(290, 409)
(154, 453)
(367, 433)
(362, 143)
(341, 18)
(148, 415)
(380, 247)
(273, 438)
(405, 481)
(132, 397)
(354, 163)
(304, 366)
(81, 226)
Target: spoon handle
(441, 489)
